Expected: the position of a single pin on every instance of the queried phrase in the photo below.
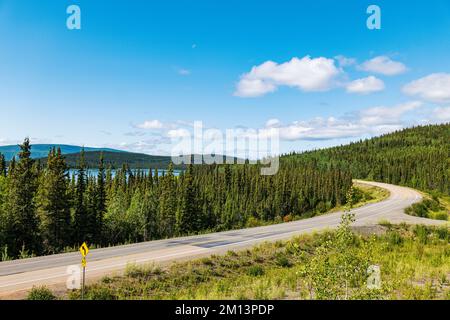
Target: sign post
(84, 251)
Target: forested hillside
(43, 210)
(116, 159)
(417, 157)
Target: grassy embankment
(414, 262)
(364, 194)
(432, 207)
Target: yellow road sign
(83, 262)
(84, 249)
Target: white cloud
(253, 88)
(150, 124)
(365, 85)
(272, 123)
(7, 142)
(345, 61)
(178, 133)
(305, 74)
(383, 65)
(435, 87)
(441, 114)
(371, 121)
(385, 115)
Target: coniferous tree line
(417, 157)
(44, 210)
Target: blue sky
(140, 72)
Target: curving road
(19, 275)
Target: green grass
(365, 195)
(432, 207)
(414, 262)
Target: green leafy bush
(255, 271)
(443, 233)
(418, 210)
(283, 261)
(41, 293)
(441, 216)
(428, 208)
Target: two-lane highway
(21, 275)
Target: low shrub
(441, 216)
(255, 271)
(41, 293)
(283, 261)
(394, 238)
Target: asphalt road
(19, 275)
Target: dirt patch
(370, 230)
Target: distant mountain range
(112, 157)
(116, 159)
(41, 150)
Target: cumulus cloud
(249, 88)
(305, 74)
(435, 87)
(365, 85)
(383, 65)
(371, 121)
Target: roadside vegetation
(414, 262)
(364, 194)
(432, 207)
(41, 293)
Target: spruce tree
(92, 229)
(2, 165)
(168, 203)
(54, 203)
(80, 214)
(101, 199)
(22, 220)
(187, 210)
(12, 165)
